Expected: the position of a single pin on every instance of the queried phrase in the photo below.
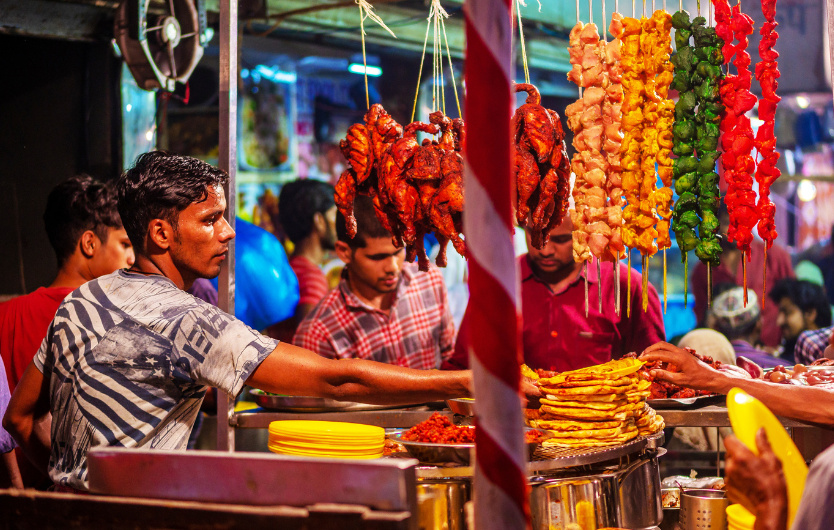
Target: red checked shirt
(417, 332)
(556, 334)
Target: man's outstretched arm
(299, 372)
(803, 403)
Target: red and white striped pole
(494, 338)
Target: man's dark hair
(806, 296)
(159, 186)
(74, 206)
(367, 223)
(298, 202)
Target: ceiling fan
(161, 42)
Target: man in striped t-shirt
(128, 357)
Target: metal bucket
(440, 503)
(640, 504)
(589, 502)
(629, 498)
(703, 509)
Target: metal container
(628, 497)
(589, 502)
(440, 503)
(640, 503)
(436, 453)
(462, 406)
(702, 509)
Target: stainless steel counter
(397, 418)
(711, 416)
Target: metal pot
(440, 503)
(639, 493)
(628, 497)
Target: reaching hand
(685, 370)
(757, 482)
(531, 392)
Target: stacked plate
(326, 439)
(738, 518)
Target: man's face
(377, 265)
(201, 240)
(790, 320)
(115, 253)
(558, 250)
(328, 241)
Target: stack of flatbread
(599, 406)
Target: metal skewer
(664, 281)
(628, 287)
(599, 283)
(764, 279)
(586, 288)
(645, 283)
(709, 286)
(744, 269)
(617, 275)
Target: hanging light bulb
(807, 191)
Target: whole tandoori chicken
(542, 167)
(416, 187)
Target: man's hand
(757, 482)
(531, 393)
(688, 371)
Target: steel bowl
(434, 453)
(462, 406)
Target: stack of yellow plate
(738, 518)
(328, 439)
(598, 406)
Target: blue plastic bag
(266, 289)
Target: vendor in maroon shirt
(556, 333)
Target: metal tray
(311, 404)
(433, 453)
(687, 403)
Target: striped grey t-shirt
(128, 358)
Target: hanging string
(366, 10)
(451, 67)
(364, 59)
(420, 72)
(519, 3)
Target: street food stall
(645, 171)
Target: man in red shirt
(730, 271)
(383, 309)
(85, 230)
(308, 217)
(556, 333)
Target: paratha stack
(602, 405)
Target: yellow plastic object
(330, 429)
(327, 439)
(739, 518)
(747, 416)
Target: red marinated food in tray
(664, 390)
(439, 430)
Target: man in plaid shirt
(383, 309)
(811, 344)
